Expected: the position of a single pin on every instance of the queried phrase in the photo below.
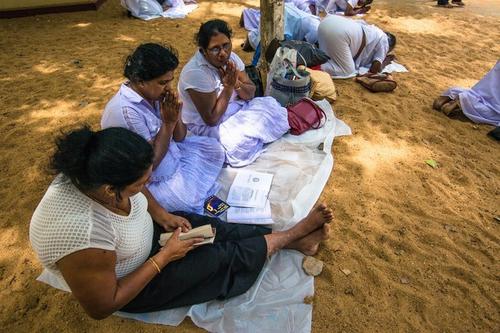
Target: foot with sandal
(446, 105)
(379, 82)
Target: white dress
(341, 39)
(245, 127)
(187, 174)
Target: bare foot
(309, 244)
(439, 102)
(317, 217)
(450, 107)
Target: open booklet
(250, 189)
(205, 231)
(248, 197)
(250, 215)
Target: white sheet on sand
(393, 67)
(301, 166)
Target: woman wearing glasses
(218, 99)
(185, 169)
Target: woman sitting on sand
(218, 99)
(185, 169)
(95, 232)
(353, 44)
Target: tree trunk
(271, 26)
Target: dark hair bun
(150, 61)
(113, 156)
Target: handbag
(290, 85)
(305, 115)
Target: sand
(422, 244)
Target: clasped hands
(170, 108)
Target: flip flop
(439, 102)
(377, 82)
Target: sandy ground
(422, 244)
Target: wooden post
(271, 26)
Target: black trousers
(225, 269)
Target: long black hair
(114, 156)
(150, 61)
(210, 29)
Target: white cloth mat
(301, 166)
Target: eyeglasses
(216, 50)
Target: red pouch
(305, 115)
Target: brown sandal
(377, 82)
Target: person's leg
(213, 271)
(315, 220)
(309, 244)
(220, 270)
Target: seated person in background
(481, 103)
(95, 233)
(185, 169)
(218, 99)
(250, 17)
(353, 44)
(299, 25)
(348, 7)
(446, 3)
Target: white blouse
(66, 221)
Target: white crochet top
(66, 221)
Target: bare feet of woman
(309, 244)
(450, 107)
(439, 102)
(315, 220)
(317, 217)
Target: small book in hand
(205, 231)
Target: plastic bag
(143, 9)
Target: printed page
(250, 189)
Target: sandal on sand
(451, 106)
(377, 82)
(439, 102)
